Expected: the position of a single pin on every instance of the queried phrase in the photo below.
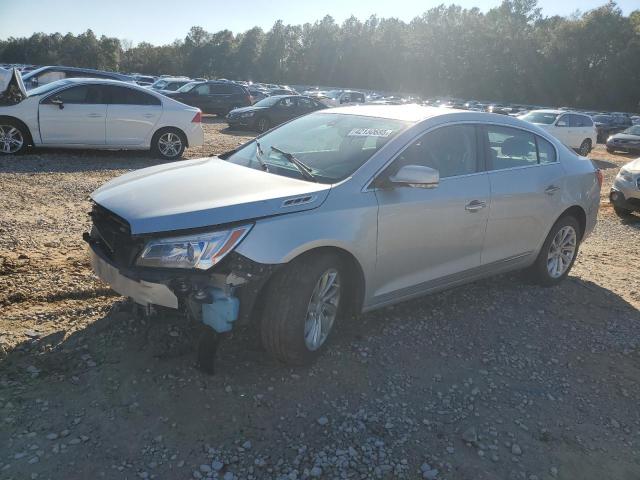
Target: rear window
(130, 96)
(544, 118)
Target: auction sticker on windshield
(369, 132)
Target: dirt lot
(496, 380)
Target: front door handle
(551, 189)
(94, 115)
(475, 205)
(148, 115)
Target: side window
(450, 150)
(546, 152)
(575, 120)
(305, 103)
(202, 89)
(563, 121)
(80, 95)
(510, 147)
(129, 96)
(220, 88)
(586, 121)
(286, 103)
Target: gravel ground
(495, 380)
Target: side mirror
(58, 102)
(561, 123)
(416, 176)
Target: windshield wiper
(305, 170)
(259, 154)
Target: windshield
(188, 87)
(46, 88)
(635, 130)
(545, 118)
(333, 145)
(160, 84)
(267, 102)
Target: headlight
(625, 175)
(247, 114)
(201, 251)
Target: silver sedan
(344, 211)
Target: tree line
(509, 53)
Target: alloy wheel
(11, 139)
(585, 148)
(169, 144)
(561, 251)
(322, 310)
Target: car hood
(237, 111)
(626, 136)
(202, 193)
(633, 166)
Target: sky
(162, 21)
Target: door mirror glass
(416, 176)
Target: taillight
(599, 176)
(197, 118)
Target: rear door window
(130, 96)
(220, 89)
(510, 148)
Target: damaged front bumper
(220, 298)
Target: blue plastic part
(222, 312)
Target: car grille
(114, 236)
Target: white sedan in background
(100, 114)
(575, 130)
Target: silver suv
(339, 212)
(625, 192)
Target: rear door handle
(94, 115)
(475, 205)
(551, 189)
(148, 115)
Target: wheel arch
(577, 212)
(167, 128)
(352, 268)
(22, 125)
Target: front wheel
(585, 147)
(610, 150)
(168, 144)
(558, 253)
(302, 308)
(622, 212)
(263, 124)
(13, 139)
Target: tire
(13, 137)
(610, 150)
(263, 124)
(164, 137)
(290, 328)
(585, 147)
(622, 212)
(542, 271)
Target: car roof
(75, 69)
(557, 112)
(102, 81)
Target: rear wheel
(585, 147)
(168, 144)
(610, 150)
(558, 253)
(302, 308)
(13, 139)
